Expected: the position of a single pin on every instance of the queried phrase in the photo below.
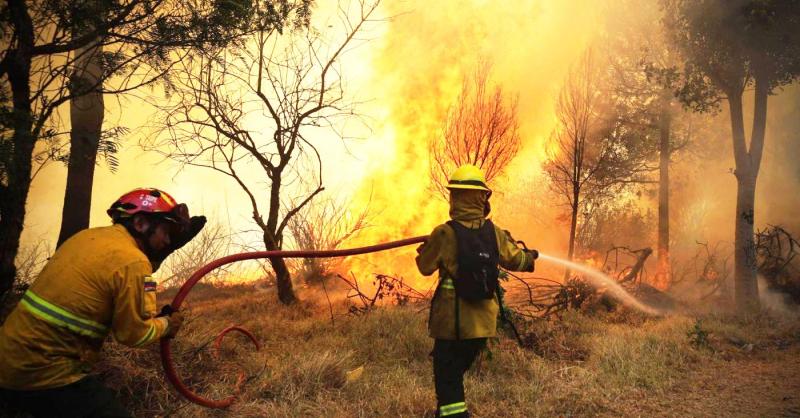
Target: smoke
(779, 182)
(776, 301)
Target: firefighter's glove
(166, 310)
(185, 229)
(188, 227)
(534, 255)
(175, 323)
(196, 224)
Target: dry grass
(579, 365)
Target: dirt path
(765, 384)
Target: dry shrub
(561, 339)
(213, 242)
(705, 278)
(777, 251)
(323, 226)
(481, 128)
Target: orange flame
(420, 74)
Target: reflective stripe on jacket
(476, 319)
(97, 283)
(61, 317)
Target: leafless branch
(481, 128)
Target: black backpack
(477, 258)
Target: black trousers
(451, 359)
(84, 398)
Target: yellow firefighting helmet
(468, 177)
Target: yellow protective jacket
(98, 282)
(476, 319)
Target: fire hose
(166, 351)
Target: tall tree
(247, 113)
(594, 154)
(643, 76)
(86, 113)
(663, 273)
(43, 52)
(223, 22)
(481, 128)
(727, 47)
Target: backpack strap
(457, 319)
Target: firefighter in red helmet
(98, 283)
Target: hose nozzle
(533, 253)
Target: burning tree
(643, 76)
(240, 109)
(480, 129)
(594, 156)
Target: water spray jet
(598, 279)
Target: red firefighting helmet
(145, 200)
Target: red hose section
(218, 340)
(218, 343)
(166, 351)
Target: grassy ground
(619, 364)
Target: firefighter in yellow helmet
(97, 283)
(466, 251)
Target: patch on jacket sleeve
(150, 285)
(149, 297)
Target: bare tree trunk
(573, 228)
(746, 286)
(282, 278)
(15, 194)
(86, 117)
(663, 275)
(747, 167)
(285, 290)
